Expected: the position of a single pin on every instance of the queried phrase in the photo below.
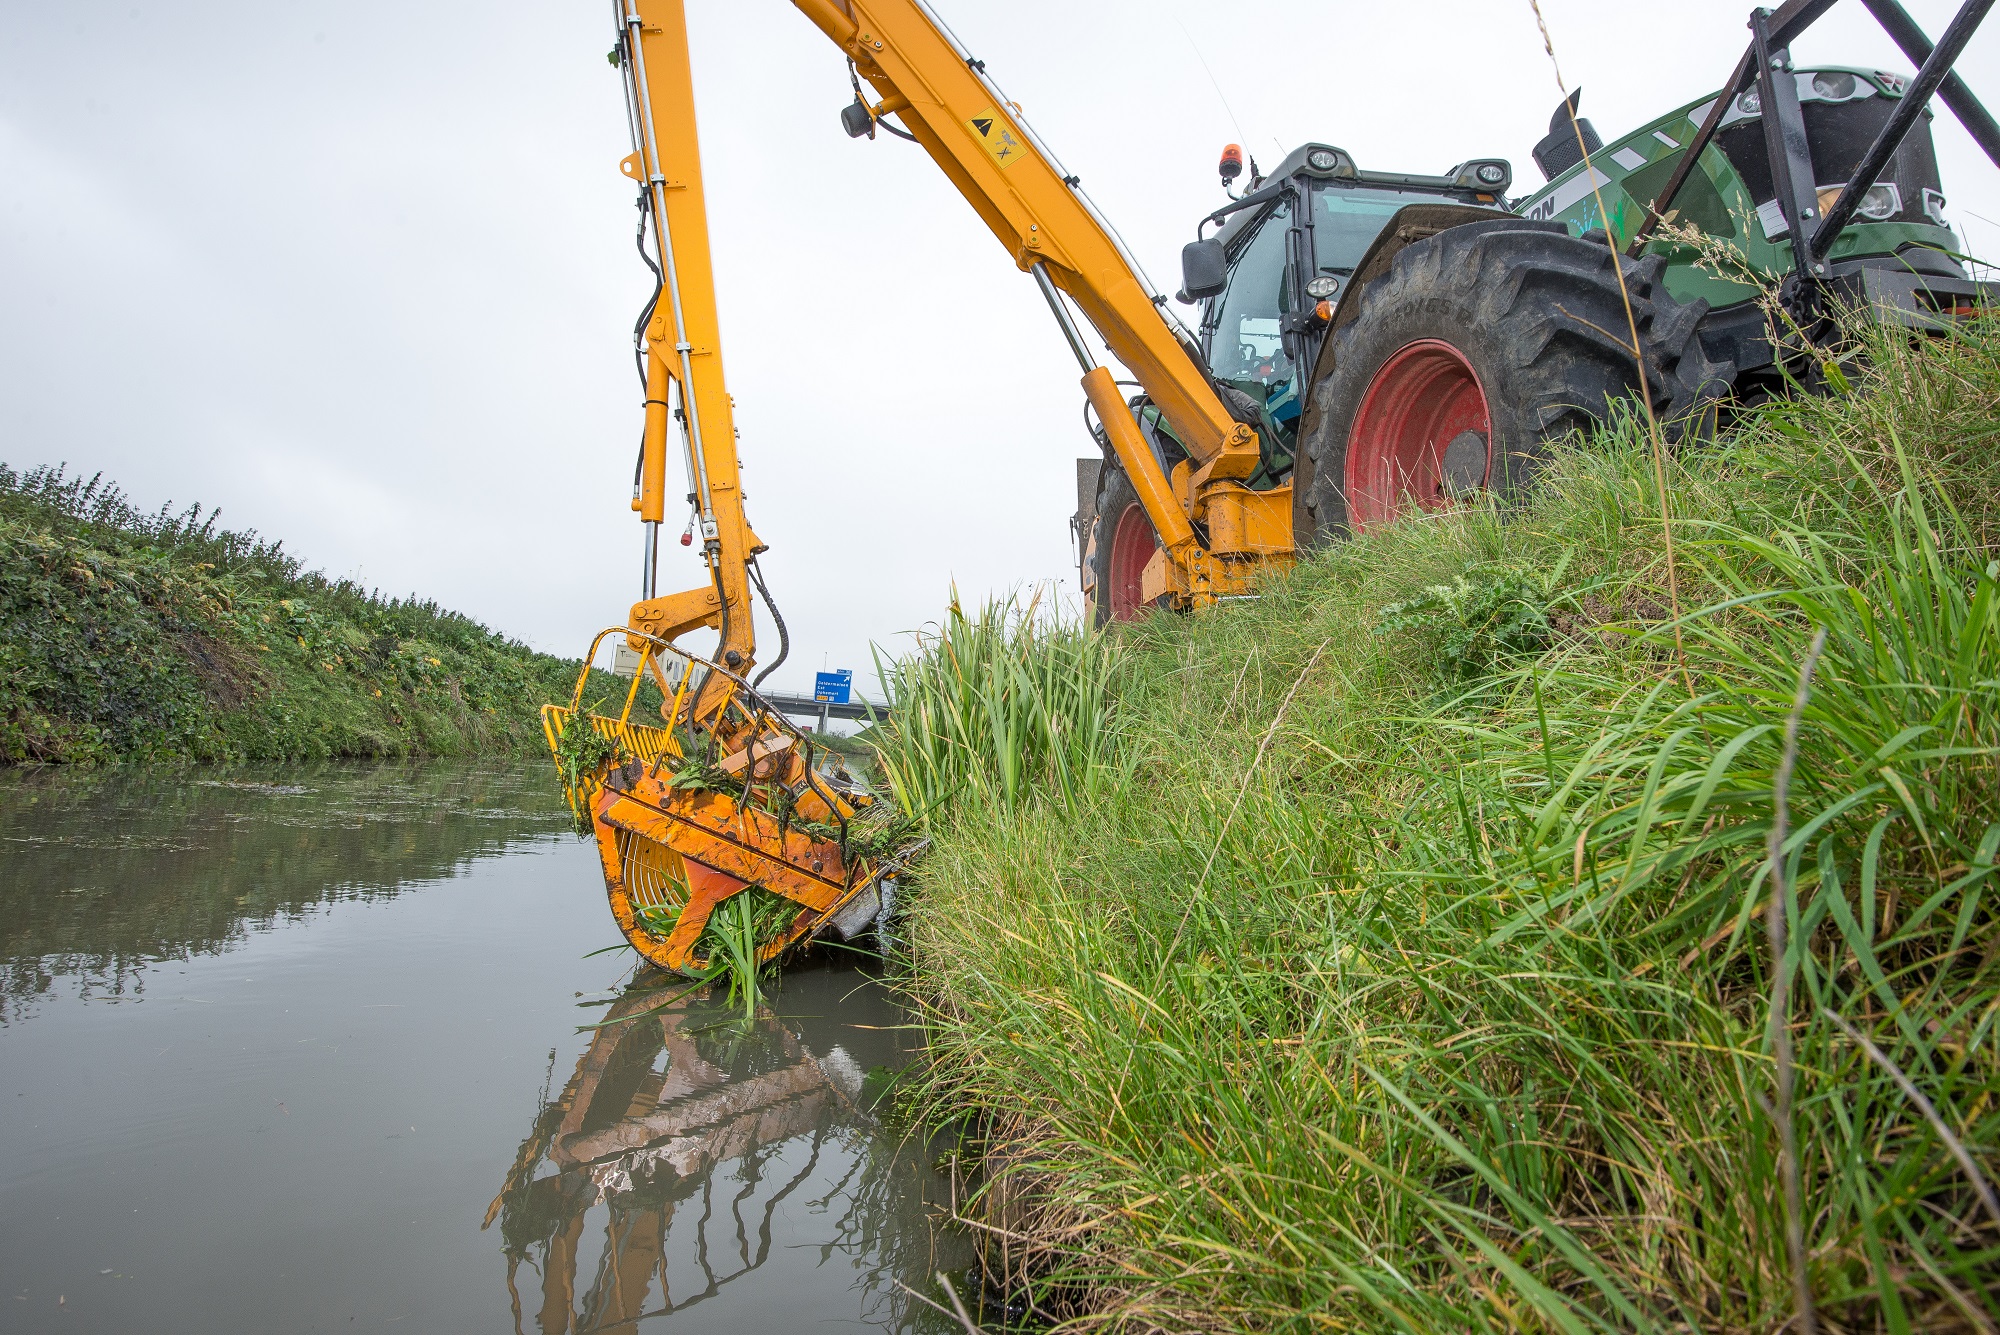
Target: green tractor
(1402, 340)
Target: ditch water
(300, 1052)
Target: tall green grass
(1379, 987)
(1010, 702)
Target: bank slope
(158, 637)
(1402, 966)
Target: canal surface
(301, 1052)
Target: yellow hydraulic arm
(682, 345)
(944, 98)
(728, 808)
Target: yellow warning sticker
(994, 135)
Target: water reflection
(694, 1154)
(342, 996)
(110, 872)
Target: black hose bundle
(784, 638)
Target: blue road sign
(833, 687)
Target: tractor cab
(1268, 279)
(1270, 276)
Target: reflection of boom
(645, 1140)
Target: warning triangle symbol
(983, 124)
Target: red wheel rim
(1132, 546)
(1424, 398)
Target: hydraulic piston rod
(1156, 494)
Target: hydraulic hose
(721, 647)
(784, 637)
(652, 302)
(722, 600)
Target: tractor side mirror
(1204, 269)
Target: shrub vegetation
(126, 635)
(1399, 963)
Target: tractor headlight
(1322, 287)
(1750, 103)
(1322, 159)
(1882, 202)
(1487, 175)
(1834, 85)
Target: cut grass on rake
(583, 752)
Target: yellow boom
(728, 795)
(978, 138)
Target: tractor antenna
(1212, 81)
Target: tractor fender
(1412, 223)
(1527, 312)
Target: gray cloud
(362, 275)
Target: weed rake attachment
(726, 830)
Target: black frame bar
(1785, 143)
(1789, 21)
(1915, 98)
(1903, 30)
(1784, 123)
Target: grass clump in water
(732, 935)
(1390, 980)
(736, 929)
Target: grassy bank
(159, 637)
(1389, 953)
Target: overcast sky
(362, 275)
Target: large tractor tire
(1480, 346)
(1125, 542)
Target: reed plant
(732, 935)
(1382, 985)
(729, 941)
(1012, 701)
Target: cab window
(1347, 219)
(1246, 343)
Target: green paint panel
(1635, 169)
